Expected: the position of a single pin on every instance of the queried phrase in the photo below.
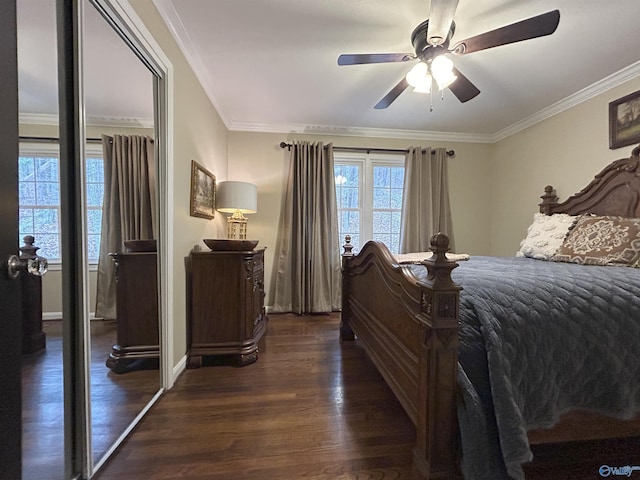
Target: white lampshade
(233, 196)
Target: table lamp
(237, 198)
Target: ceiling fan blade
(462, 87)
(440, 18)
(360, 58)
(392, 95)
(533, 27)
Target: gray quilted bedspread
(537, 339)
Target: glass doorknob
(37, 266)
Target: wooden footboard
(410, 331)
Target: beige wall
(565, 151)
(200, 135)
(258, 158)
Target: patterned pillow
(545, 235)
(602, 240)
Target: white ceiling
(118, 87)
(272, 65)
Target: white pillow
(545, 235)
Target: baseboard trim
(177, 371)
(58, 316)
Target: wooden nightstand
(138, 330)
(225, 297)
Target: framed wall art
(624, 121)
(203, 192)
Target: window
(39, 197)
(369, 198)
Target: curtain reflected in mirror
(122, 233)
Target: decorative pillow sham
(602, 240)
(418, 257)
(545, 235)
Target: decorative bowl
(140, 245)
(225, 244)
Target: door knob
(37, 266)
(28, 261)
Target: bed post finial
(549, 200)
(347, 246)
(438, 266)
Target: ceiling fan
(431, 41)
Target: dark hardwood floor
(311, 407)
(115, 400)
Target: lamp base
(237, 226)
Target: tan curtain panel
(128, 209)
(425, 204)
(307, 278)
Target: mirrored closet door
(122, 232)
(104, 362)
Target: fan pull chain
(431, 97)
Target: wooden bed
(409, 329)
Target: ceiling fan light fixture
(424, 86)
(417, 75)
(441, 66)
(446, 81)
(442, 71)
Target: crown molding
(181, 36)
(587, 93)
(360, 132)
(38, 119)
(93, 121)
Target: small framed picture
(203, 192)
(624, 121)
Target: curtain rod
(56, 140)
(52, 139)
(450, 153)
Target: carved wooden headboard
(613, 191)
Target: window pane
(49, 246)
(397, 177)
(381, 198)
(26, 221)
(348, 198)
(395, 244)
(93, 246)
(94, 220)
(395, 221)
(349, 221)
(396, 198)
(383, 237)
(347, 175)
(45, 220)
(381, 177)
(47, 193)
(27, 193)
(381, 222)
(47, 169)
(95, 170)
(26, 169)
(95, 194)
